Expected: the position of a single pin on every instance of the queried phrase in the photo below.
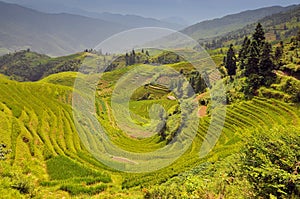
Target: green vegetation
(31, 66)
(3, 152)
(279, 26)
(271, 163)
(211, 29)
(69, 169)
(267, 166)
(256, 156)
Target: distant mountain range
(61, 34)
(229, 23)
(134, 21)
(52, 34)
(278, 27)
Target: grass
(79, 189)
(69, 169)
(64, 78)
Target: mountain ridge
(216, 27)
(52, 34)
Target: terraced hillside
(36, 122)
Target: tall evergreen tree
(258, 63)
(278, 54)
(266, 65)
(252, 60)
(259, 35)
(132, 58)
(127, 59)
(147, 53)
(230, 63)
(243, 52)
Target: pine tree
(132, 58)
(278, 53)
(243, 52)
(266, 65)
(147, 53)
(127, 59)
(259, 35)
(230, 63)
(252, 60)
(256, 60)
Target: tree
(259, 35)
(243, 52)
(266, 65)
(298, 36)
(252, 60)
(127, 59)
(278, 53)
(132, 58)
(230, 63)
(256, 60)
(147, 53)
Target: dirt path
(125, 160)
(202, 111)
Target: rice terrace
(216, 116)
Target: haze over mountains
(220, 26)
(62, 34)
(53, 34)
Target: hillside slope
(279, 26)
(30, 66)
(36, 122)
(217, 27)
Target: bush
(79, 189)
(208, 180)
(3, 151)
(23, 185)
(271, 163)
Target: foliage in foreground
(271, 163)
(268, 166)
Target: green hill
(218, 27)
(36, 123)
(278, 26)
(256, 155)
(31, 66)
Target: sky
(191, 10)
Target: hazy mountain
(220, 26)
(133, 21)
(176, 20)
(52, 34)
(61, 34)
(278, 26)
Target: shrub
(3, 151)
(23, 185)
(271, 162)
(79, 189)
